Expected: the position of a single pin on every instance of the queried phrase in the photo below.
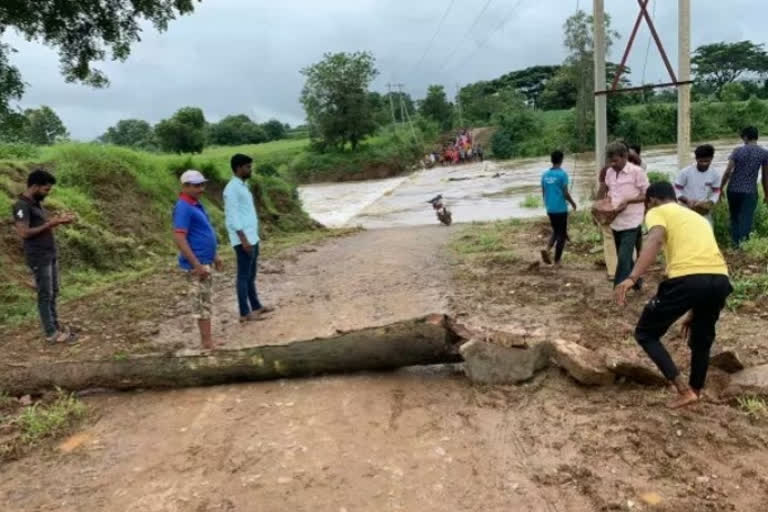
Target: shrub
(18, 150)
(657, 176)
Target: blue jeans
(47, 283)
(742, 206)
(247, 264)
(626, 242)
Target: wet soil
(416, 439)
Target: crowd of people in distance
(461, 150)
(678, 220)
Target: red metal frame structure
(674, 82)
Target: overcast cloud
(235, 56)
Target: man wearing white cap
(196, 239)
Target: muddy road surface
(417, 439)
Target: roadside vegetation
(25, 424)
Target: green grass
(532, 201)
(123, 199)
(747, 289)
(488, 242)
(757, 248)
(755, 407)
(40, 421)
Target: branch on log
(423, 341)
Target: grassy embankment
(123, 199)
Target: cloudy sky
(244, 56)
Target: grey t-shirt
(39, 249)
(696, 185)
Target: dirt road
(422, 439)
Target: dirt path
(420, 439)
(372, 278)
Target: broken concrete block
(634, 369)
(728, 361)
(752, 381)
(586, 366)
(488, 363)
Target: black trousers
(705, 295)
(559, 222)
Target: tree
(723, 63)
(437, 108)
(335, 98)
(184, 132)
(515, 126)
(529, 81)
(129, 132)
(580, 65)
(236, 130)
(274, 129)
(42, 126)
(82, 32)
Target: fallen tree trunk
(427, 340)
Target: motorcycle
(443, 213)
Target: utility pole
(404, 111)
(391, 104)
(458, 104)
(684, 91)
(601, 100)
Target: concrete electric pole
(684, 90)
(601, 100)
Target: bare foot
(545, 257)
(212, 345)
(683, 399)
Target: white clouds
(235, 56)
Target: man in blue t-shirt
(196, 239)
(740, 181)
(554, 187)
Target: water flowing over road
(474, 192)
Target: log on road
(422, 341)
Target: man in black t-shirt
(35, 227)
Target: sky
(244, 56)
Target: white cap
(192, 177)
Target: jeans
(559, 222)
(742, 207)
(609, 251)
(247, 264)
(626, 241)
(705, 295)
(47, 282)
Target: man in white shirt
(698, 186)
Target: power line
(498, 27)
(434, 36)
(469, 31)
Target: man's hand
(702, 207)
(622, 206)
(685, 326)
(218, 264)
(247, 247)
(58, 220)
(201, 271)
(621, 291)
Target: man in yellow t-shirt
(697, 284)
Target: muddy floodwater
(474, 192)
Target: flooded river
(474, 192)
